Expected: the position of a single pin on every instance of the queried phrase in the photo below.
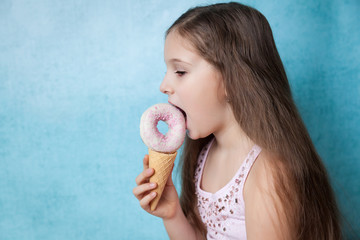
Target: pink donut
(173, 117)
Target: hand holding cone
(162, 148)
(162, 164)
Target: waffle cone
(162, 164)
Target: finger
(140, 190)
(146, 161)
(145, 202)
(144, 176)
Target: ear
(222, 93)
(227, 99)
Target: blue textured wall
(75, 77)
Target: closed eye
(180, 73)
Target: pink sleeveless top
(223, 212)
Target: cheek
(200, 106)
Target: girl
(249, 168)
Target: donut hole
(162, 127)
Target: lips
(182, 111)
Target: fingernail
(152, 185)
(149, 170)
(153, 194)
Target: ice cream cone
(162, 164)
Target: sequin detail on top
(223, 212)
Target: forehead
(179, 48)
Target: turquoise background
(75, 77)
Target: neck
(230, 137)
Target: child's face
(195, 86)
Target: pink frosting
(173, 139)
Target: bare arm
(178, 227)
(169, 209)
(264, 213)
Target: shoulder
(261, 175)
(264, 213)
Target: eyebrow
(175, 60)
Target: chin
(191, 135)
(194, 135)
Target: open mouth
(182, 111)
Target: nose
(165, 86)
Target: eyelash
(180, 73)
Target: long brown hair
(237, 40)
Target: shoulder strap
(249, 161)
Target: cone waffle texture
(162, 163)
